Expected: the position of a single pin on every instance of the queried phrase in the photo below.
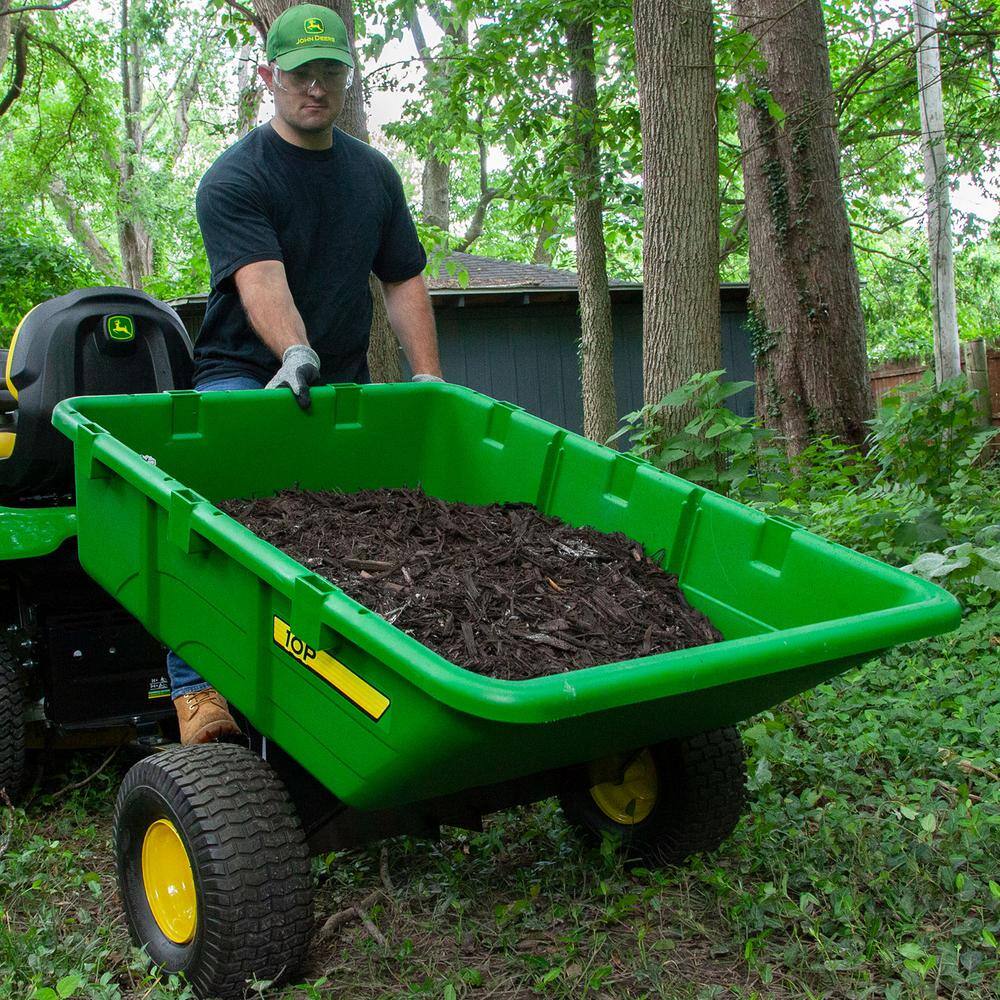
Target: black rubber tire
(12, 760)
(249, 859)
(700, 798)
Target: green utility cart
(376, 732)
(112, 548)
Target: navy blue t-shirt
(331, 216)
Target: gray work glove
(299, 370)
(426, 378)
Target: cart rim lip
(923, 609)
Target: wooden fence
(886, 377)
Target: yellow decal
(357, 691)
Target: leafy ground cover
(868, 865)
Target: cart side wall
(799, 609)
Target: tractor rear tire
(12, 761)
(213, 868)
(665, 802)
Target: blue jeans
(183, 679)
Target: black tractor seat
(95, 341)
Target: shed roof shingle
(488, 272)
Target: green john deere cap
(305, 32)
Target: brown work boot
(204, 717)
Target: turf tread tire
(250, 861)
(701, 797)
(12, 753)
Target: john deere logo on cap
(121, 328)
(313, 26)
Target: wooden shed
(513, 332)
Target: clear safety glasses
(301, 81)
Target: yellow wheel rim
(625, 786)
(169, 882)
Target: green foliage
(964, 568)
(928, 436)
(716, 448)
(35, 267)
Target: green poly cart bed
(373, 715)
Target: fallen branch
(359, 911)
(86, 781)
(383, 870)
(337, 920)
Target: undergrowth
(866, 867)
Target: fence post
(978, 375)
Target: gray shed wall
(523, 347)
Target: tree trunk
(81, 230)
(5, 28)
(20, 61)
(250, 92)
(134, 241)
(383, 350)
(809, 332)
(542, 254)
(946, 351)
(435, 206)
(675, 70)
(596, 330)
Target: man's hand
(299, 370)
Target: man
(295, 216)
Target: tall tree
(436, 183)
(596, 331)
(947, 363)
(809, 340)
(134, 240)
(675, 64)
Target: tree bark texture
(435, 186)
(134, 242)
(81, 230)
(947, 363)
(436, 192)
(675, 69)
(5, 29)
(20, 61)
(596, 329)
(250, 92)
(808, 329)
(383, 350)
(543, 255)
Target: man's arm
(412, 319)
(267, 301)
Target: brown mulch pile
(501, 590)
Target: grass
(868, 866)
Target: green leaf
(68, 985)
(928, 822)
(911, 950)
(774, 109)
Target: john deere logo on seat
(313, 26)
(121, 328)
